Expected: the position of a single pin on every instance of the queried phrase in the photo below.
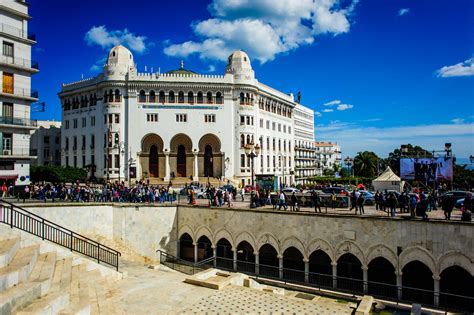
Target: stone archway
(210, 158)
(151, 157)
(181, 157)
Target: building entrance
(153, 161)
(181, 161)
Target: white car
(290, 190)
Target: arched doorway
(415, 276)
(204, 248)
(349, 273)
(153, 167)
(186, 247)
(181, 161)
(456, 280)
(268, 261)
(208, 162)
(320, 269)
(293, 265)
(245, 257)
(224, 255)
(382, 278)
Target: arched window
(152, 97)
(142, 97)
(242, 98)
(248, 139)
(199, 98)
(117, 96)
(247, 98)
(162, 97)
(116, 138)
(82, 102)
(105, 97)
(171, 97)
(209, 97)
(219, 98)
(242, 141)
(180, 97)
(111, 96)
(190, 97)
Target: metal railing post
(70, 244)
(43, 229)
(98, 253)
(11, 216)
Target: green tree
(57, 174)
(365, 164)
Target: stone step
(79, 292)
(50, 304)
(19, 296)
(19, 268)
(8, 249)
(44, 270)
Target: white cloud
(372, 119)
(403, 11)
(331, 103)
(342, 107)
(318, 114)
(462, 69)
(457, 120)
(385, 139)
(211, 68)
(327, 110)
(263, 28)
(99, 35)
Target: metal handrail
(27, 221)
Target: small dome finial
(181, 66)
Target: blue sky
(378, 73)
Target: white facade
(305, 150)
(16, 95)
(178, 125)
(45, 143)
(327, 154)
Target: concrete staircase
(38, 279)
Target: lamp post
(252, 151)
(282, 165)
(471, 159)
(121, 147)
(349, 162)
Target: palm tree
(365, 164)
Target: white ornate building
(305, 148)
(327, 154)
(176, 125)
(16, 95)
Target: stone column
(195, 168)
(167, 166)
(214, 254)
(234, 250)
(399, 284)
(306, 270)
(334, 274)
(365, 277)
(436, 290)
(195, 252)
(280, 266)
(257, 263)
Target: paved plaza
(163, 291)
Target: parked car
(336, 190)
(459, 203)
(290, 190)
(454, 195)
(369, 198)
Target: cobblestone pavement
(239, 300)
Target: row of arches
(375, 272)
(181, 160)
(180, 97)
(82, 101)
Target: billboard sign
(267, 182)
(426, 169)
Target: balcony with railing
(16, 153)
(10, 90)
(19, 62)
(14, 31)
(18, 121)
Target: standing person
(294, 201)
(242, 192)
(424, 206)
(447, 207)
(466, 214)
(4, 190)
(377, 200)
(413, 202)
(316, 202)
(360, 203)
(334, 200)
(230, 199)
(282, 201)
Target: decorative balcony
(16, 32)
(18, 121)
(16, 62)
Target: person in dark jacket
(316, 201)
(294, 202)
(360, 203)
(447, 207)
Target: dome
(239, 65)
(119, 55)
(181, 70)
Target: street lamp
(349, 162)
(471, 159)
(252, 151)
